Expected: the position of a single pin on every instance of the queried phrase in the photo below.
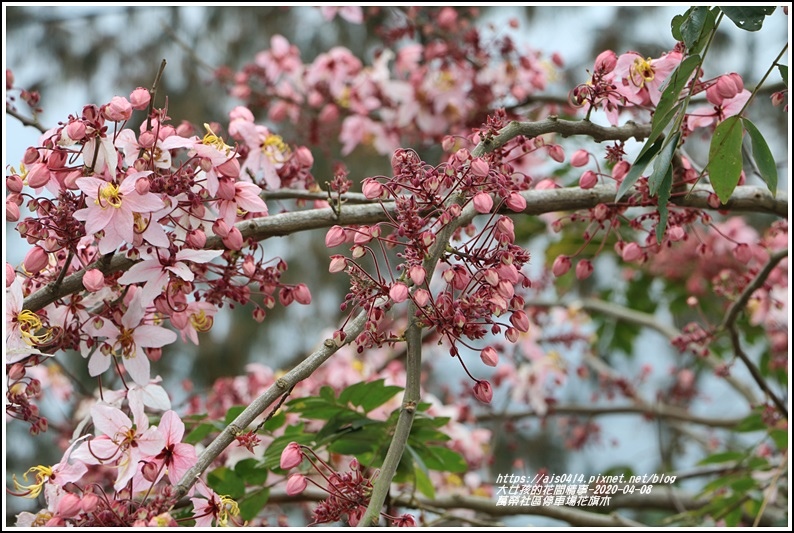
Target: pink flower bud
(483, 203)
(258, 314)
(335, 236)
(93, 280)
(89, 502)
(249, 267)
(38, 175)
(140, 98)
(561, 265)
(230, 168)
(153, 354)
(505, 227)
(546, 185)
(10, 275)
(714, 201)
(36, 259)
(358, 252)
(580, 158)
(234, 240)
(291, 456)
(491, 277)
(118, 110)
(12, 211)
(631, 252)
(302, 294)
(588, 180)
(583, 269)
(556, 152)
(142, 186)
(620, 170)
(421, 297)
(483, 391)
(31, 156)
(479, 168)
(226, 189)
(14, 183)
(398, 292)
(778, 98)
(196, 239)
(743, 253)
(296, 484)
(520, 320)
(515, 202)
(69, 505)
(76, 130)
(512, 334)
(675, 233)
(417, 274)
(606, 61)
(338, 264)
(304, 157)
(150, 471)
(147, 139)
(489, 356)
(371, 188)
(220, 228)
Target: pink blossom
(588, 180)
(398, 292)
(479, 167)
(140, 98)
(36, 260)
(335, 236)
(520, 320)
(417, 274)
(246, 198)
(640, 80)
(561, 265)
(632, 252)
(113, 208)
(483, 203)
(175, 458)
(197, 318)
(352, 14)
(580, 158)
(118, 110)
(556, 152)
(234, 240)
(158, 267)
(128, 342)
(372, 188)
(583, 269)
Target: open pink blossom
(111, 208)
(640, 80)
(176, 457)
(246, 198)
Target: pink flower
(580, 158)
(291, 456)
(479, 168)
(483, 391)
(583, 269)
(158, 267)
(515, 202)
(197, 318)
(588, 180)
(352, 14)
(36, 260)
(140, 98)
(128, 342)
(556, 152)
(118, 110)
(520, 321)
(631, 252)
(372, 188)
(246, 198)
(640, 80)
(175, 458)
(338, 264)
(122, 442)
(296, 484)
(335, 236)
(113, 209)
(483, 203)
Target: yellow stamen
(43, 474)
(211, 139)
(275, 148)
(109, 195)
(641, 72)
(29, 326)
(125, 342)
(228, 506)
(201, 322)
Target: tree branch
(660, 410)
(751, 199)
(26, 121)
(272, 394)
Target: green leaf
(444, 460)
(368, 395)
(278, 420)
(662, 165)
(722, 457)
(253, 503)
(675, 24)
(645, 157)
(746, 17)
(725, 157)
(233, 413)
(784, 74)
(752, 422)
(733, 518)
(762, 156)
(251, 472)
(780, 437)
(198, 433)
(423, 483)
(673, 86)
(226, 483)
(358, 442)
(665, 190)
(693, 26)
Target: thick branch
(566, 128)
(751, 199)
(272, 394)
(660, 410)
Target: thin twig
(26, 121)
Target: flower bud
(417, 274)
(36, 260)
(398, 292)
(583, 269)
(743, 253)
(38, 175)
(483, 391)
(76, 130)
(606, 61)
(93, 280)
(372, 188)
(118, 110)
(302, 294)
(69, 505)
(520, 321)
(483, 203)
(150, 471)
(675, 233)
(338, 264)
(479, 168)
(220, 228)
(234, 240)
(196, 239)
(556, 152)
(14, 183)
(620, 170)
(631, 252)
(291, 456)
(588, 180)
(421, 297)
(489, 356)
(296, 484)
(580, 158)
(140, 98)
(12, 211)
(561, 265)
(335, 236)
